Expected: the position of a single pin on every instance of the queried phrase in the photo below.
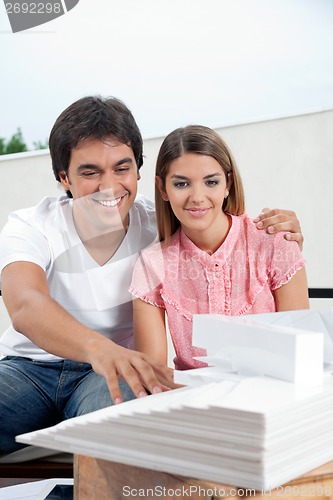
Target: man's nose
(106, 183)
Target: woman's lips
(197, 212)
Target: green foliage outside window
(17, 144)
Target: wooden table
(96, 479)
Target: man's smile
(110, 203)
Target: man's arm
(35, 314)
(277, 220)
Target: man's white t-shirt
(95, 295)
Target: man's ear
(138, 177)
(64, 180)
(159, 184)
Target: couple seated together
(88, 278)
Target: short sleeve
(20, 241)
(286, 260)
(148, 276)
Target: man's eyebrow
(123, 160)
(92, 166)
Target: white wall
(25, 179)
(284, 163)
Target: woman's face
(195, 187)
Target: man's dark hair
(92, 117)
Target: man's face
(102, 178)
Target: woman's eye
(212, 183)
(181, 184)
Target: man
(66, 266)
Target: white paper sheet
(320, 320)
(35, 490)
(265, 344)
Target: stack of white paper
(263, 416)
(257, 432)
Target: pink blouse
(239, 278)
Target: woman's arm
(150, 331)
(294, 294)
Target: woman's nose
(196, 194)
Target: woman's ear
(159, 184)
(230, 180)
(64, 180)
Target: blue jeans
(37, 394)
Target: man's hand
(140, 372)
(277, 220)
